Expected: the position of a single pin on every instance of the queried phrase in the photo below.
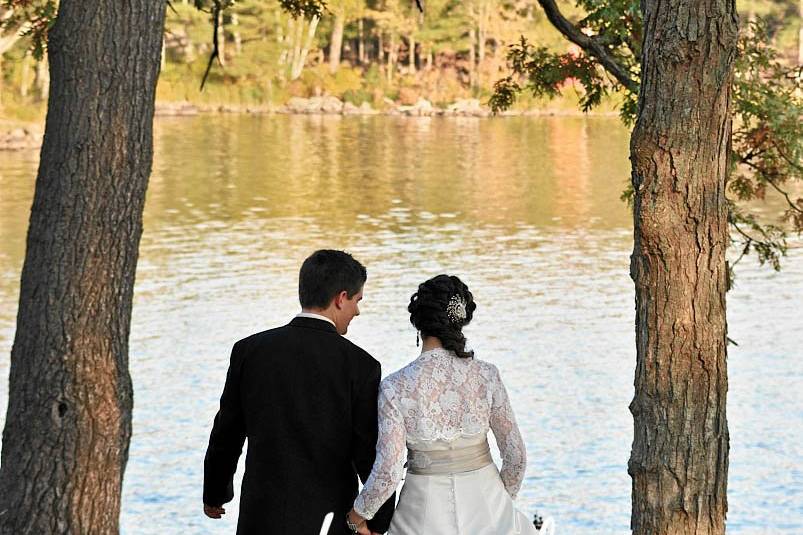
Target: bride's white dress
(436, 413)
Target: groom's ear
(339, 298)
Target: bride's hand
(359, 521)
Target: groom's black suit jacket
(305, 397)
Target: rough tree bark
(68, 425)
(679, 460)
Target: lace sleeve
(508, 438)
(391, 447)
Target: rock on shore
(173, 109)
(422, 107)
(30, 137)
(20, 138)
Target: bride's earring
(416, 339)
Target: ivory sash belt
(455, 461)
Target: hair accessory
(456, 309)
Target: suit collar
(315, 316)
(313, 323)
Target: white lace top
(436, 400)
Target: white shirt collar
(315, 316)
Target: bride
(436, 412)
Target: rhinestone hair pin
(456, 309)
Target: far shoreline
(25, 135)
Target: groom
(305, 397)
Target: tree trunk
(285, 40)
(68, 425)
(221, 40)
(42, 79)
(237, 37)
(679, 460)
(411, 55)
(482, 37)
(472, 58)
(392, 55)
(11, 37)
(295, 27)
(301, 58)
(336, 44)
(361, 42)
(25, 78)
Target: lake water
(525, 210)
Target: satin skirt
(465, 503)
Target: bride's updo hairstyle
(429, 312)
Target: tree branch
(786, 196)
(772, 183)
(590, 45)
(216, 10)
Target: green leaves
(304, 8)
(545, 73)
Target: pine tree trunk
(336, 45)
(361, 41)
(679, 460)
(68, 425)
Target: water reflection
(526, 210)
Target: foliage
(546, 72)
(37, 15)
(766, 144)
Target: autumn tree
(672, 62)
(68, 425)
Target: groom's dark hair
(326, 273)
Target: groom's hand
(214, 512)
